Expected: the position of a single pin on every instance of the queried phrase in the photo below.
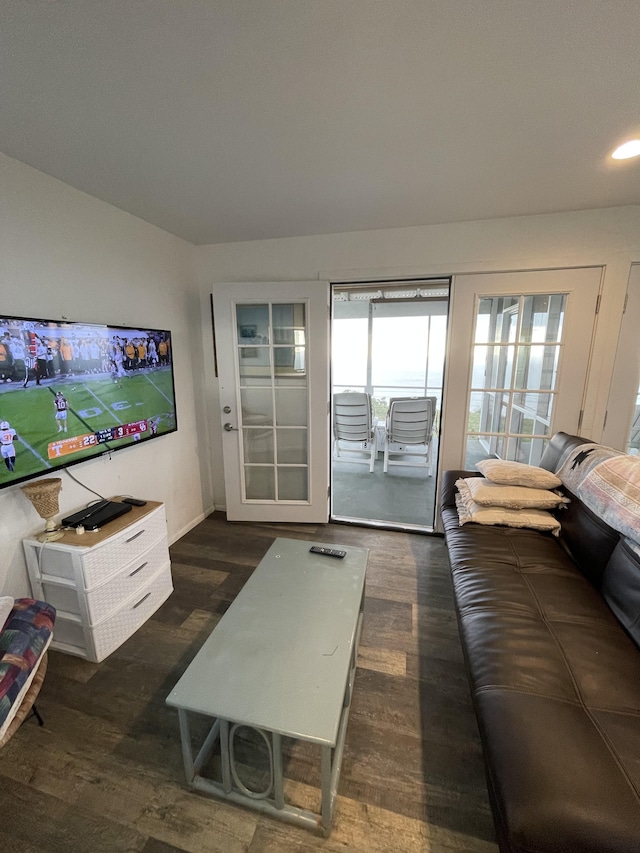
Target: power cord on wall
(75, 480)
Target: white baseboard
(193, 523)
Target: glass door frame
(624, 392)
(505, 407)
(436, 289)
(582, 284)
(315, 295)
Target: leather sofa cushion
(558, 786)
(555, 679)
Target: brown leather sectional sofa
(550, 629)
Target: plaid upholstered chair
(24, 640)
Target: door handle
(228, 427)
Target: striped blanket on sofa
(608, 482)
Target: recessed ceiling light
(629, 149)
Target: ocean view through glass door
(389, 342)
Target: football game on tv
(72, 391)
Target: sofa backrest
(588, 539)
(610, 561)
(558, 445)
(621, 587)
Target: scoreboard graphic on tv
(77, 443)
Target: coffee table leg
(278, 781)
(185, 737)
(224, 755)
(327, 796)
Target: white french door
(518, 358)
(273, 364)
(622, 428)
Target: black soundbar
(97, 515)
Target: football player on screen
(61, 406)
(7, 449)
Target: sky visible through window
(400, 346)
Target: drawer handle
(139, 533)
(139, 569)
(144, 598)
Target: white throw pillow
(486, 493)
(6, 606)
(536, 519)
(518, 474)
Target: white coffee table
(282, 661)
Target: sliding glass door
(388, 341)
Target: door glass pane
(290, 381)
(536, 406)
(492, 366)
(501, 422)
(488, 411)
(526, 449)
(482, 446)
(292, 446)
(258, 445)
(292, 484)
(283, 336)
(289, 361)
(495, 322)
(252, 324)
(291, 406)
(259, 483)
(537, 366)
(289, 315)
(254, 365)
(272, 362)
(257, 406)
(542, 317)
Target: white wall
(610, 238)
(63, 253)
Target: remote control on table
(327, 552)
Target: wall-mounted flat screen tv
(72, 391)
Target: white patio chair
(353, 425)
(409, 429)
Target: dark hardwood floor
(105, 773)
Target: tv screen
(72, 391)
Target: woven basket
(44, 496)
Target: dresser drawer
(89, 565)
(95, 605)
(108, 597)
(97, 641)
(101, 563)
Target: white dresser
(103, 584)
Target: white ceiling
(226, 120)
